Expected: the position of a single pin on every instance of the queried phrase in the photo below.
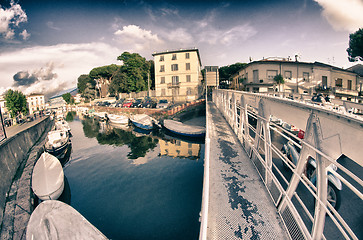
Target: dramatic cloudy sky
(46, 44)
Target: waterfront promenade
(239, 206)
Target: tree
(226, 72)
(68, 98)
(16, 102)
(279, 79)
(136, 69)
(355, 50)
(82, 82)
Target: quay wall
(13, 151)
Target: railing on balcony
(173, 85)
(310, 183)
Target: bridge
(277, 168)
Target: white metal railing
(328, 158)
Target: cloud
(343, 15)
(25, 34)
(49, 69)
(27, 78)
(180, 35)
(50, 24)
(135, 38)
(227, 37)
(10, 18)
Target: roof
(72, 91)
(180, 51)
(268, 61)
(358, 69)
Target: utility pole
(148, 84)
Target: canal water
(132, 184)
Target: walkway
(239, 205)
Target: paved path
(14, 129)
(239, 205)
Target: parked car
(137, 103)
(163, 103)
(127, 103)
(120, 102)
(149, 103)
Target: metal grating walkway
(239, 204)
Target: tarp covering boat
(184, 129)
(118, 119)
(56, 220)
(142, 121)
(48, 177)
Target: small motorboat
(143, 121)
(118, 119)
(57, 142)
(184, 129)
(62, 125)
(56, 220)
(47, 177)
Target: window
(288, 75)
(349, 84)
(324, 81)
(173, 57)
(306, 76)
(175, 80)
(162, 68)
(187, 66)
(174, 67)
(161, 59)
(162, 80)
(271, 74)
(162, 92)
(339, 82)
(188, 78)
(187, 55)
(189, 91)
(255, 76)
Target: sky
(45, 45)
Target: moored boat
(57, 142)
(48, 177)
(142, 121)
(56, 220)
(118, 119)
(62, 125)
(184, 129)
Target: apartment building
(35, 102)
(299, 77)
(178, 75)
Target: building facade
(178, 75)
(299, 77)
(212, 76)
(36, 102)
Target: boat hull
(47, 177)
(57, 151)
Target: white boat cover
(142, 119)
(48, 177)
(57, 138)
(56, 220)
(62, 125)
(120, 119)
(183, 128)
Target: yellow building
(177, 148)
(35, 102)
(178, 75)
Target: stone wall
(13, 151)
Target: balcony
(174, 85)
(339, 90)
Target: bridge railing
(310, 159)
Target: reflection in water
(178, 148)
(135, 185)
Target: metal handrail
(327, 132)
